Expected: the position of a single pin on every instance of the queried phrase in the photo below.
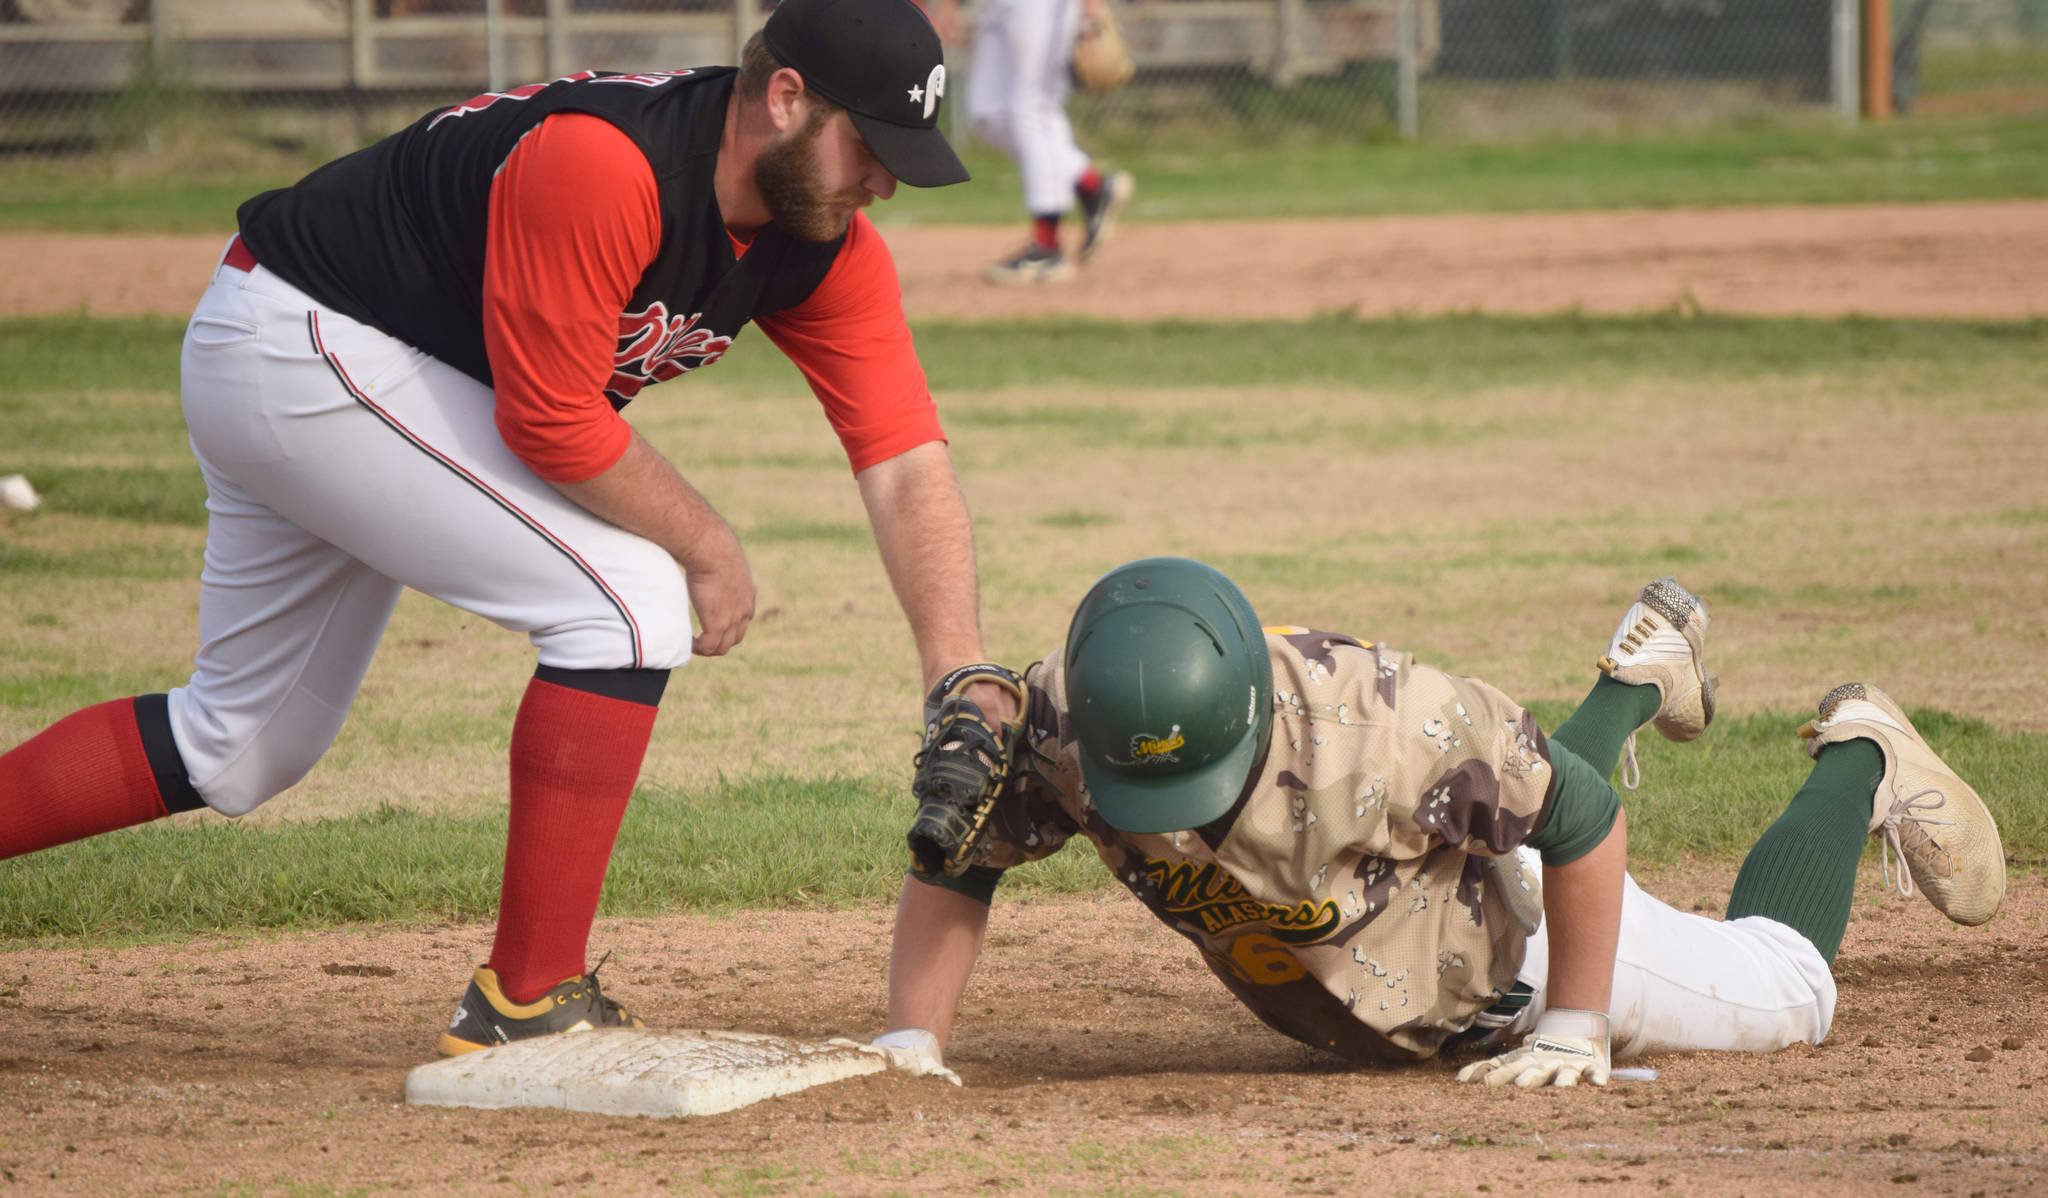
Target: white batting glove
(1566, 1047)
(912, 1050)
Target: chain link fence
(322, 75)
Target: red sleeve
(852, 343)
(574, 223)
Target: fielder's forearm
(938, 937)
(927, 547)
(643, 494)
(1582, 910)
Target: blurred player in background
(1384, 861)
(407, 373)
(1017, 87)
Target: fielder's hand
(721, 591)
(912, 1050)
(1566, 1047)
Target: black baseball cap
(882, 62)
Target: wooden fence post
(558, 38)
(1877, 59)
(362, 47)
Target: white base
(619, 1072)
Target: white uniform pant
(1017, 94)
(1685, 982)
(342, 465)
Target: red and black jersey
(562, 243)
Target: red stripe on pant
(575, 758)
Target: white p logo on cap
(934, 87)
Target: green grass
(751, 842)
(150, 494)
(778, 841)
(1919, 159)
(1959, 72)
(1912, 160)
(73, 389)
(88, 409)
(47, 362)
(83, 354)
(132, 562)
(1442, 355)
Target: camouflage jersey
(1363, 895)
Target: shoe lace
(1910, 816)
(609, 1010)
(1631, 769)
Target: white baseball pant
(1684, 982)
(342, 465)
(1017, 94)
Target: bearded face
(790, 178)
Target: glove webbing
(961, 770)
(959, 780)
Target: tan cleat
(1942, 832)
(1661, 642)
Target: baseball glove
(1102, 59)
(961, 770)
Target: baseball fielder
(1017, 87)
(1386, 861)
(407, 373)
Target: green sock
(1802, 870)
(1605, 718)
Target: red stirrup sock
(1089, 185)
(575, 757)
(86, 774)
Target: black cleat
(485, 1018)
(1101, 210)
(1032, 264)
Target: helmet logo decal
(1148, 750)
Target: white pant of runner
(1017, 94)
(341, 466)
(1685, 982)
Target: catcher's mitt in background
(960, 770)
(1102, 60)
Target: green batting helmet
(1169, 692)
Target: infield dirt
(1100, 1057)
(1960, 259)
